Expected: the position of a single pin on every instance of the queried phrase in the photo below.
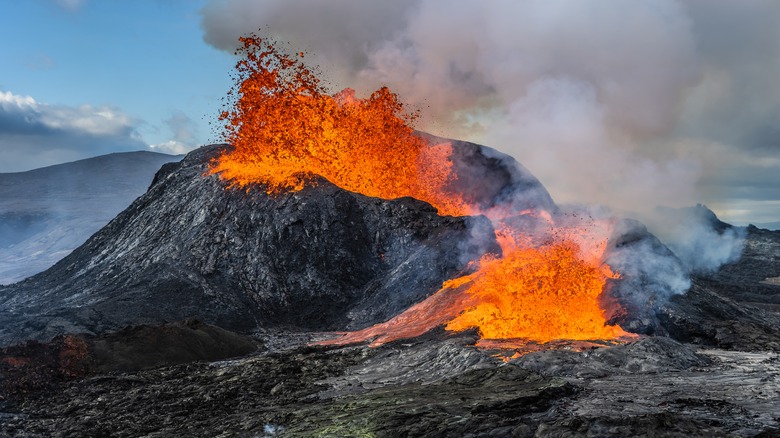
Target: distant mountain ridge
(46, 213)
(768, 225)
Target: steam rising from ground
(701, 241)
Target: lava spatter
(286, 128)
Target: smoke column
(606, 102)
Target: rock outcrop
(35, 367)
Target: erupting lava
(541, 294)
(285, 129)
(536, 293)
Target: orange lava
(285, 128)
(537, 294)
(540, 294)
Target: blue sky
(629, 104)
(143, 62)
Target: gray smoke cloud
(626, 104)
(698, 238)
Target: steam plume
(625, 104)
(611, 102)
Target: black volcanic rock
(730, 308)
(754, 278)
(647, 355)
(705, 316)
(145, 347)
(321, 258)
(650, 274)
(282, 394)
(736, 306)
(34, 366)
(431, 388)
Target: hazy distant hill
(46, 213)
(768, 225)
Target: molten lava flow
(540, 294)
(285, 129)
(534, 293)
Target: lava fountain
(286, 129)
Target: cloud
(172, 147)
(184, 133)
(34, 134)
(628, 104)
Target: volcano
(281, 269)
(332, 272)
(321, 258)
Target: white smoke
(543, 81)
(701, 242)
(606, 102)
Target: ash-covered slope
(321, 258)
(46, 213)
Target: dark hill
(321, 258)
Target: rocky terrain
(431, 386)
(754, 279)
(270, 277)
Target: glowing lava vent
(286, 128)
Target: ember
(286, 128)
